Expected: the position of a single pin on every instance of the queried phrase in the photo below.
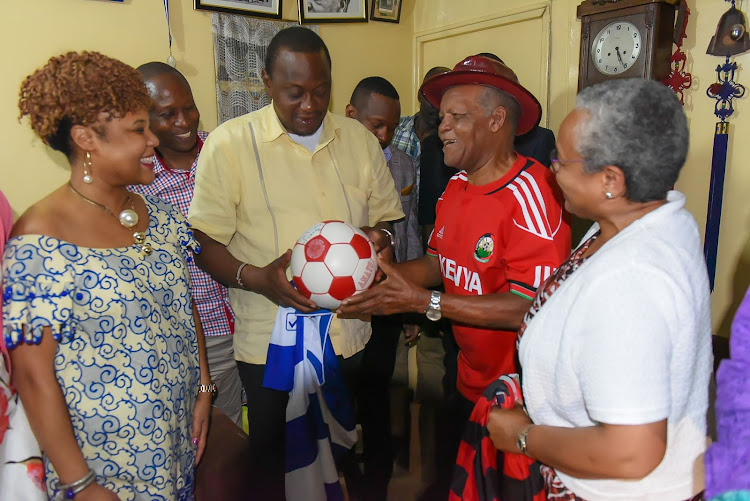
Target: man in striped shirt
(500, 231)
(174, 120)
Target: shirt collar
(160, 165)
(273, 128)
(407, 122)
(388, 153)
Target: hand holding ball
(331, 261)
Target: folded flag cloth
(319, 418)
(482, 472)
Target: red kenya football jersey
(509, 235)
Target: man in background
(405, 136)
(174, 121)
(537, 143)
(375, 104)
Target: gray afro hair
(637, 125)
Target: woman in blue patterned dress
(107, 350)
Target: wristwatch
(433, 311)
(521, 440)
(207, 388)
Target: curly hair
(73, 89)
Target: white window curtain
(240, 45)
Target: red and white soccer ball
(331, 261)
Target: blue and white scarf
(319, 419)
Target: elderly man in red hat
(500, 230)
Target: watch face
(616, 48)
(433, 314)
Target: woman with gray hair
(616, 349)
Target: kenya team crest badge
(484, 248)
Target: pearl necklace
(128, 218)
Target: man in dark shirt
(539, 142)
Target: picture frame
(387, 11)
(268, 9)
(332, 11)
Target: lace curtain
(240, 45)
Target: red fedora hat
(480, 70)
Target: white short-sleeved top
(626, 340)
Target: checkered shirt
(211, 298)
(406, 140)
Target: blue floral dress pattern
(127, 355)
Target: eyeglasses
(556, 162)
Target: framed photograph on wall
(388, 11)
(269, 9)
(332, 11)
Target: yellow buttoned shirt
(256, 191)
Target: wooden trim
(588, 7)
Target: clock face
(616, 48)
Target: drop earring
(86, 169)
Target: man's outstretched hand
(272, 283)
(395, 294)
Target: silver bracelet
(387, 232)
(207, 388)
(69, 491)
(238, 275)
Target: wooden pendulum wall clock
(625, 39)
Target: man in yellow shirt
(263, 178)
